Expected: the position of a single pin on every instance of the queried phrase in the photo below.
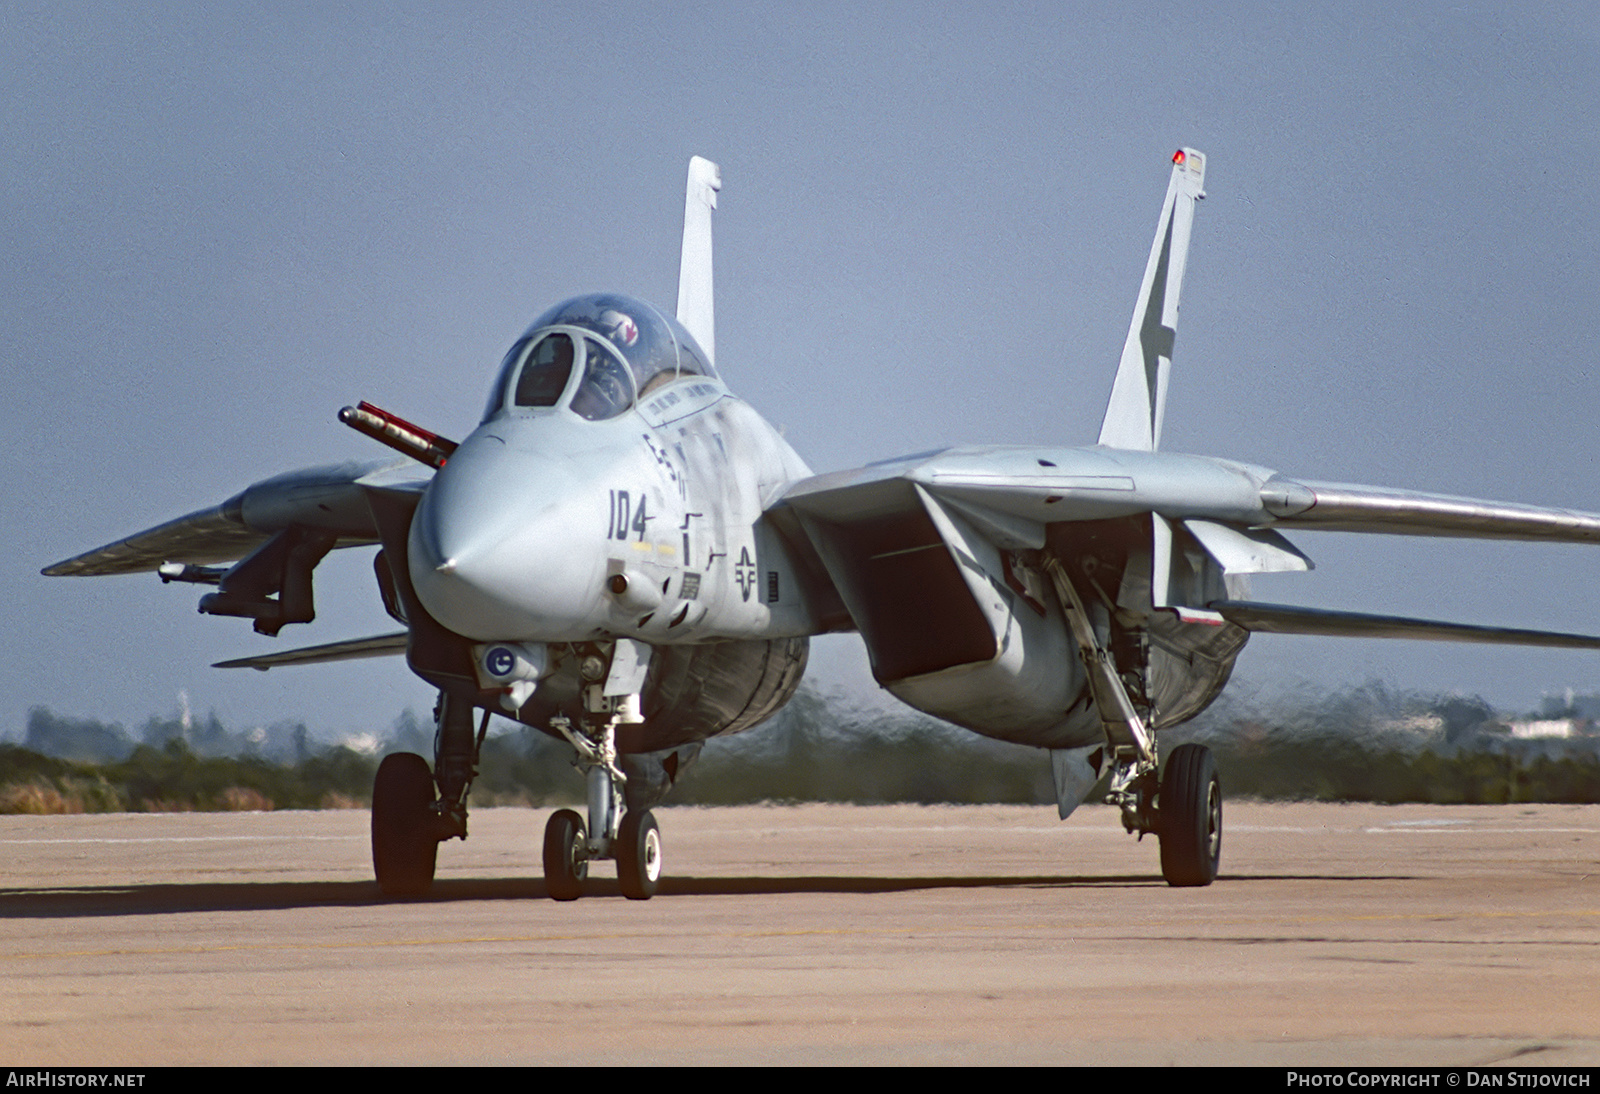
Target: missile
(399, 434)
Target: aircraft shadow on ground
(169, 899)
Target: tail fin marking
(1139, 393)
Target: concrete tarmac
(1338, 934)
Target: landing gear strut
(1184, 808)
(611, 698)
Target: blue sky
(223, 223)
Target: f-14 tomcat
(625, 555)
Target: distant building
(1545, 728)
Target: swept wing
(274, 533)
(329, 499)
(1025, 499)
(201, 538)
(1341, 507)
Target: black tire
(639, 855)
(1190, 817)
(405, 842)
(564, 865)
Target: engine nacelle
(956, 624)
(1026, 693)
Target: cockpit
(594, 355)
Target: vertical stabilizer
(694, 269)
(1139, 394)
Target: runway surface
(819, 934)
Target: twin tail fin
(1139, 393)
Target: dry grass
(39, 799)
(242, 799)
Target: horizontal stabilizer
(1289, 619)
(354, 649)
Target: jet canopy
(595, 355)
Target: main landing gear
(1183, 807)
(1183, 810)
(409, 819)
(1190, 817)
(405, 843)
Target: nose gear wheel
(566, 862)
(638, 851)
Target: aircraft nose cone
(498, 548)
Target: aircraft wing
(876, 532)
(273, 534)
(1029, 489)
(1340, 507)
(201, 538)
(329, 499)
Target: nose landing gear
(630, 837)
(638, 850)
(413, 809)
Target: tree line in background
(1362, 744)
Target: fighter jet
(626, 556)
